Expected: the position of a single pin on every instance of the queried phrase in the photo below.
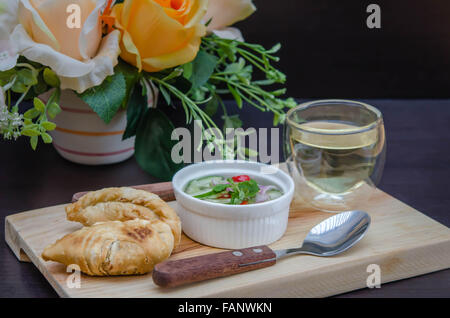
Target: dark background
(329, 52)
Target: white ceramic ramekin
(233, 226)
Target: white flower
(229, 33)
(10, 122)
(223, 13)
(80, 57)
(8, 20)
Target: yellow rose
(159, 34)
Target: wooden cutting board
(401, 240)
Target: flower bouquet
(115, 56)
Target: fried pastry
(114, 247)
(122, 204)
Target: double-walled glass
(335, 152)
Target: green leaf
(242, 191)
(212, 106)
(137, 105)
(27, 77)
(230, 51)
(290, 102)
(264, 82)
(174, 74)
(48, 125)
(274, 49)
(47, 138)
(279, 92)
(236, 95)
(165, 94)
(33, 142)
(39, 105)
(31, 113)
(204, 195)
(187, 70)
(106, 98)
(220, 187)
(41, 87)
(202, 68)
(235, 67)
(153, 145)
(30, 132)
(7, 76)
(19, 87)
(198, 95)
(250, 188)
(131, 76)
(51, 78)
(276, 119)
(53, 109)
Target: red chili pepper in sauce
(241, 178)
(244, 202)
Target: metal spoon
(332, 236)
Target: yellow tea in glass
(336, 152)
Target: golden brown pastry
(122, 204)
(114, 247)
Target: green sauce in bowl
(237, 190)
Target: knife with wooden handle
(163, 189)
(200, 268)
(330, 237)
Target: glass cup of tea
(335, 152)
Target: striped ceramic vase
(82, 137)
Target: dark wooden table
(417, 172)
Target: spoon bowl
(334, 235)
